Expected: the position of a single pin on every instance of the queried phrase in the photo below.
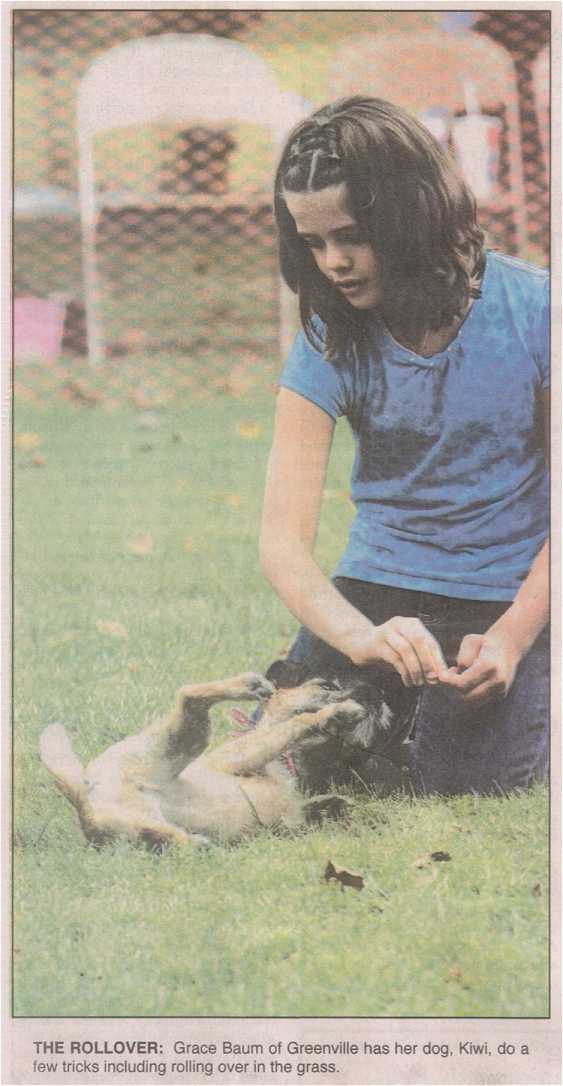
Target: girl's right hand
(407, 646)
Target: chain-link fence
(181, 230)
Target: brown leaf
(111, 629)
(39, 460)
(26, 441)
(431, 857)
(249, 430)
(188, 543)
(141, 544)
(344, 877)
(232, 500)
(79, 393)
(536, 890)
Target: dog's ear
(363, 693)
(284, 674)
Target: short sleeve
(308, 373)
(541, 337)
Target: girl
(436, 351)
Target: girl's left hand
(488, 662)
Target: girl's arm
(294, 487)
(491, 659)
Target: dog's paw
(255, 686)
(342, 717)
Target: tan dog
(159, 787)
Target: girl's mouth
(349, 286)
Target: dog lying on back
(164, 786)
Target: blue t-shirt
(449, 479)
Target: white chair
(172, 78)
(432, 68)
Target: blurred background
(145, 142)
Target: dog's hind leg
(157, 835)
(184, 733)
(57, 755)
(249, 753)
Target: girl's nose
(336, 257)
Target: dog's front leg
(249, 753)
(183, 734)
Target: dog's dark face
(369, 734)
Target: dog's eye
(326, 684)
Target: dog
(164, 785)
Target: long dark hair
(409, 200)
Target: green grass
(252, 930)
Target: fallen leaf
(455, 973)
(38, 460)
(431, 857)
(112, 629)
(232, 500)
(536, 890)
(344, 877)
(188, 543)
(249, 430)
(79, 393)
(25, 441)
(141, 544)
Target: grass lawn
(136, 518)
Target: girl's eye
(354, 237)
(350, 237)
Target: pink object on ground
(38, 329)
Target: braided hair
(409, 200)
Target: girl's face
(325, 222)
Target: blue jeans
(453, 747)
